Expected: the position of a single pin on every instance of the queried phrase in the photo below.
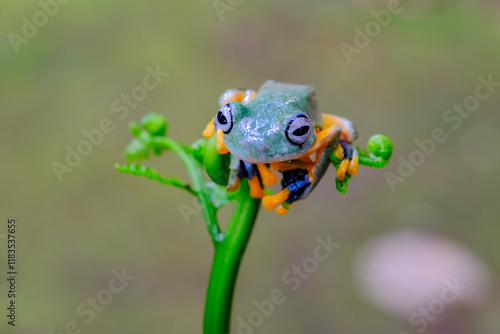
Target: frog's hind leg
(239, 95)
(349, 133)
(344, 152)
(231, 95)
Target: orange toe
(353, 167)
(281, 210)
(342, 169)
(339, 152)
(268, 177)
(270, 202)
(256, 190)
(221, 147)
(210, 129)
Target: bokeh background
(72, 233)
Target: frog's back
(301, 97)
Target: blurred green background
(71, 234)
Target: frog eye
(298, 129)
(225, 118)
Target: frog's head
(265, 132)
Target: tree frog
(279, 128)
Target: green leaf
(155, 124)
(149, 173)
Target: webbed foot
(296, 186)
(270, 202)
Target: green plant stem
(229, 245)
(193, 167)
(227, 259)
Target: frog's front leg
(254, 173)
(314, 160)
(300, 176)
(257, 174)
(268, 177)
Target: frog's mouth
(258, 161)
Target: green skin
(258, 133)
